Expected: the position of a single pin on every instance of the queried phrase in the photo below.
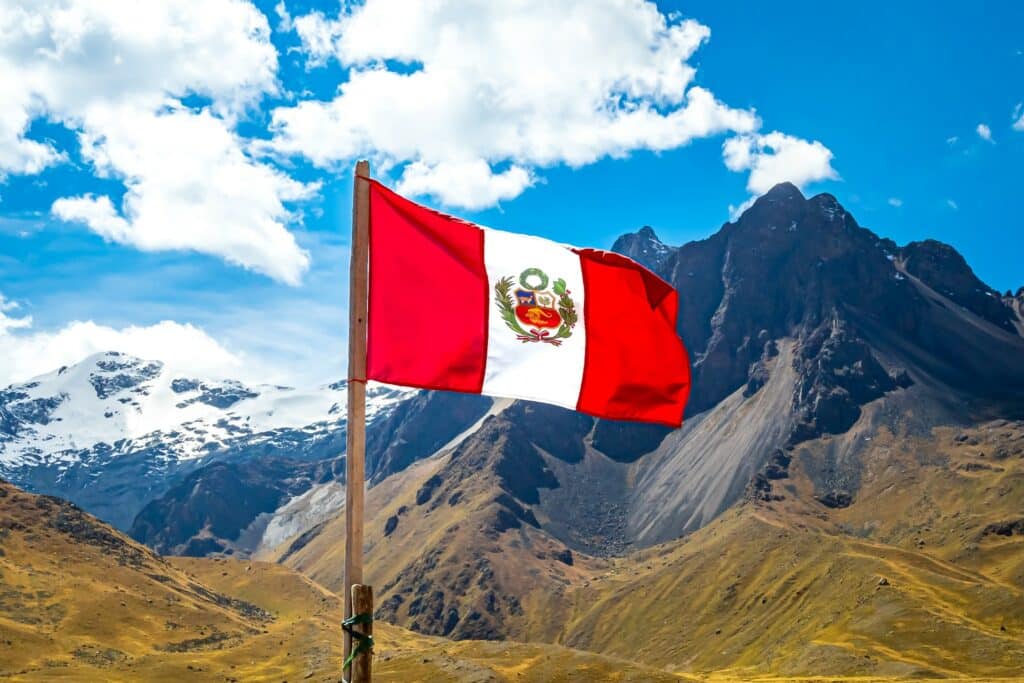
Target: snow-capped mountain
(112, 432)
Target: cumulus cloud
(455, 91)
(28, 353)
(189, 186)
(1018, 117)
(284, 16)
(775, 158)
(117, 73)
(984, 132)
(470, 184)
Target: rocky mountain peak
(783, 192)
(782, 197)
(644, 247)
(647, 232)
(113, 431)
(942, 268)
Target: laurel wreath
(506, 306)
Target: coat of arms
(534, 312)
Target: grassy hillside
(81, 602)
(446, 556)
(921, 576)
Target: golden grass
(790, 588)
(74, 609)
(783, 591)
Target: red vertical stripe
(636, 366)
(428, 310)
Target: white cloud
(1018, 117)
(952, 140)
(318, 35)
(895, 201)
(485, 85)
(984, 132)
(284, 17)
(953, 205)
(775, 158)
(190, 186)
(183, 347)
(8, 322)
(470, 184)
(116, 73)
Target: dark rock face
(425, 491)
(505, 448)
(505, 452)
(8, 422)
(758, 374)
(644, 247)
(787, 266)
(417, 428)
(838, 375)
(627, 441)
(119, 374)
(943, 269)
(21, 409)
(777, 466)
(760, 489)
(557, 431)
(181, 385)
(125, 483)
(836, 499)
(211, 507)
(222, 395)
(1007, 528)
(564, 556)
(508, 514)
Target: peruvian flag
(459, 307)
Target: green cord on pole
(364, 643)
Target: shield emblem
(538, 316)
(533, 310)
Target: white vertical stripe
(536, 371)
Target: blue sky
(905, 111)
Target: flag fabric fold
(459, 307)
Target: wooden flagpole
(355, 471)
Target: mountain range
(843, 499)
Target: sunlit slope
(312, 638)
(81, 602)
(453, 560)
(76, 595)
(921, 576)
